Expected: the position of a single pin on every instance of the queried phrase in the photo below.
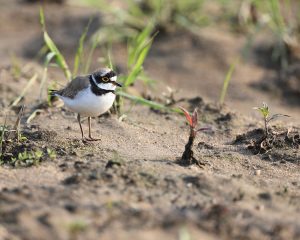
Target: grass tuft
(59, 58)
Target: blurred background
(168, 53)
(195, 46)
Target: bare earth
(128, 185)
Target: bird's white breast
(86, 103)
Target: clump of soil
(27, 150)
(188, 154)
(187, 157)
(279, 144)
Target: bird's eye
(105, 79)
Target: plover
(90, 95)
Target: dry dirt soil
(129, 185)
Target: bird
(89, 96)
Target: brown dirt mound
(280, 144)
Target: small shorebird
(90, 95)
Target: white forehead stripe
(106, 71)
(94, 80)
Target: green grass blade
(79, 52)
(138, 43)
(60, 60)
(148, 103)
(132, 76)
(110, 63)
(138, 66)
(49, 58)
(91, 53)
(277, 16)
(42, 19)
(27, 87)
(227, 80)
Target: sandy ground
(128, 185)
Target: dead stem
(187, 157)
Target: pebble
(259, 207)
(257, 172)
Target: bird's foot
(90, 139)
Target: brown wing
(76, 85)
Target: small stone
(265, 196)
(70, 207)
(259, 207)
(257, 172)
(74, 179)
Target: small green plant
(8, 135)
(116, 160)
(51, 153)
(76, 227)
(184, 233)
(14, 152)
(265, 112)
(187, 157)
(27, 158)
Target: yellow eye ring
(105, 79)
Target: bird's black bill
(117, 84)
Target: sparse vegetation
(77, 227)
(25, 159)
(265, 112)
(128, 184)
(138, 49)
(54, 53)
(280, 19)
(124, 23)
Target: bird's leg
(90, 126)
(78, 119)
(90, 134)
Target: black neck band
(98, 91)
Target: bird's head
(105, 78)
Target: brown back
(76, 85)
